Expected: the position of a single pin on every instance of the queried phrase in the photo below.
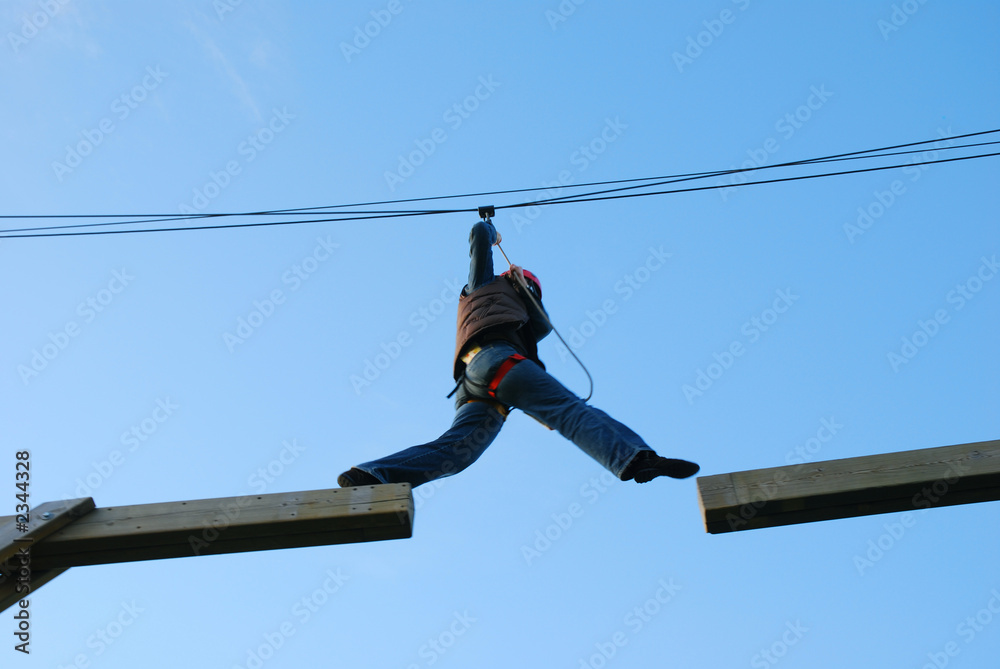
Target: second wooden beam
(907, 480)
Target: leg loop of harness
(505, 367)
(502, 409)
(501, 372)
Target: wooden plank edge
(914, 497)
(393, 521)
(784, 482)
(127, 533)
(246, 545)
(922, 494)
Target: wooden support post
(212, 527)
(19, 576)
(860, 486)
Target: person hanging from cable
(496, 367)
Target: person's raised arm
(481, 240)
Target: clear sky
(865, 309)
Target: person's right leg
(475, 427)
(477, 423)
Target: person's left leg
(620, 450)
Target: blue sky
(146, 390)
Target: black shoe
(355, 477)
(648, 465)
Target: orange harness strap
(503, 410)
(505, 367)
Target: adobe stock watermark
(929, 497)
(883, 200)
(454, 116)
(752, 330)
(562, 12)
(926, 330)
(374, 366)
(799, 456)
(223, 7)
(132, 439)
(968, 630)
(632, 624)
(88, 310)
(106, 636)
(773, 654)
(714, 27)
(581, 158)
(35, 22)
(562, 521)
(626, 287)
(230, 510)
(586, 154)
(438, 646)
(363, 35)
(294, 278)
(267, 474)
(463, 454)
(786, 126)
(899, 17)
(302, 611)
(121, 108)
(247, 151)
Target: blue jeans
(526, 387)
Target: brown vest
(494, 311)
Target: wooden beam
(229, 525)
(803, 493)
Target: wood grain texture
(809, 492)
(229, 525)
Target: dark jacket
(492, 308)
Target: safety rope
(485, 212)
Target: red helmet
(532, 279)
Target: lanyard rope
(519, 279)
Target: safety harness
(501, 372)
(505, 367)
(491, 389)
